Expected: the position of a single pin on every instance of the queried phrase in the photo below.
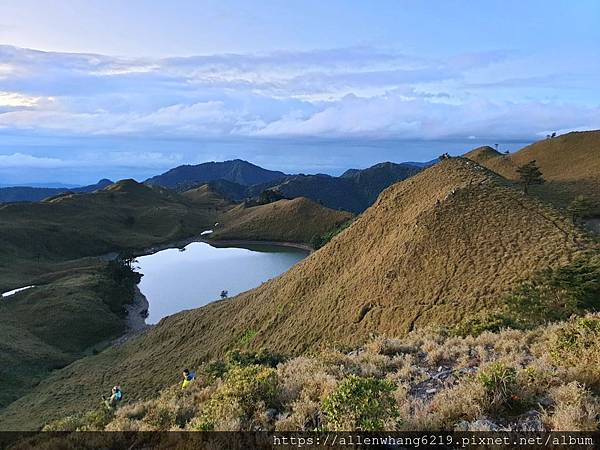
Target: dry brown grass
(574, 409)
(297, 220)
(433, 249)
(570, 164)
(509, 387)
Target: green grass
(77, 303)
(49, 326)
(34, 237)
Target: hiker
(114, 399)
(188, 377)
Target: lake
(175, 280)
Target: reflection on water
(176, 280)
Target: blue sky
(111, 88)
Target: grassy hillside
(432, 250)
(205, 196)
(76, 303)
(537, 380)
(34, 237)
(297, 220)
(51, 325)
(570, 164)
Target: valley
(439, 250)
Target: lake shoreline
(181, 243)
(135, 320)
(219, 243)
(194, 272)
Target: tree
(529, 175)
(579, 208)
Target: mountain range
(353, 191)
(236, 171)
(439, 247)
(238, 180)
(36, 194)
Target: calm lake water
(176, 280)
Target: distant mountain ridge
(355, 190)
(36, 194)
(236, 171)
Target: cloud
(348, 92)
(149, 160)
(28, 161)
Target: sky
(92, 89)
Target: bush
(261, 358)
(580, 208)
(236, 399)
(161, 416)
(69, 423)
(364, 404)
(94, 420)
(576, 346)
(552, 295)
(97, 419)
(499, 382)
(319, 241)
(476, 325)
(576, 338)
(575, 409)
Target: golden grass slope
(433, 249)
(296, 220)
(570, 164)
(205, 196)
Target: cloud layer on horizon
(352, 92)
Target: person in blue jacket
(114, 399)
(188, 377)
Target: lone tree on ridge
(529, 175)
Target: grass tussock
(506, 380)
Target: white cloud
(98, 159)
(28, 161)
(340, 92)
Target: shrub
(306, 415)
(319, 241)
(94, 420)
(465, 401)
(305, 378)
(236, 399)
(365, 404)
(214, 370)
(474, 326)
(574, 409)
(97, 419)
(160, 416)
(499, 382)
(69, 423)
(261, 358)
(576, 346)
(576, 338)
(550, 296)
(580, 208)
